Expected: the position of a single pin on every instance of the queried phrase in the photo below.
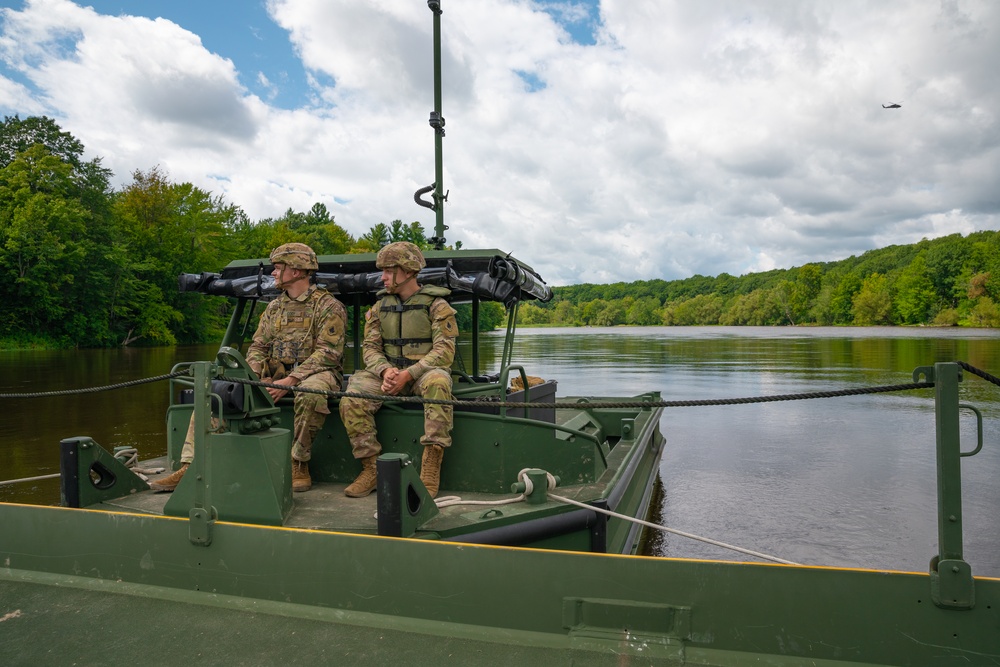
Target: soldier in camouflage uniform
(408, 350)
(299, 341)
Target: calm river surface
(842, 481)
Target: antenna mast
(437, 123)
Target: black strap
(405, 341)
(401, 362)
(399, 308)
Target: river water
(844, 481)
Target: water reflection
(847, 481)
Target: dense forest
(87, 265)
(947, 281)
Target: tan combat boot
(366, 481)
(301, 481)
(170, 482)
(430, 468)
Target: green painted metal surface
(91, 474)
(408, 504)
(655, 610)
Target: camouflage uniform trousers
(358, 414)
(310, 412)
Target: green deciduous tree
(611, 315)
(491, 316)
(42, 239)
(753, 309)
(17, 136)
(986, 313)
(872, 304)
(644, 311)
(319, 231)
(915, 295)
(169, 229)
(531, 314)
(842, 297)
(703, 309)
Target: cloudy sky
(598, 140)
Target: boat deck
(325, 507)
(601, 456)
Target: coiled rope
(529, 487)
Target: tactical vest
(406, 327)
(294, 340)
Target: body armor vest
(294, 339)
(406, 327)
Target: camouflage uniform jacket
(444, 330)
(308, 331)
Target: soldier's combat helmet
(403, 254)
(296, 256)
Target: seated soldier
(408, 350)
(299, 341)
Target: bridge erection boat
(533, 558)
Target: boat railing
(952, 584)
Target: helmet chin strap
(394, 286)
(284, 284)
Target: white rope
(671, 530)
(130, 457)
(29, 479)
(448, 501)
(529, 487)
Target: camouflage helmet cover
(403, 254)
(296, 256)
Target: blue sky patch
(531, 81)
(239, 30)
(580, 18)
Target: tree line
(948, 281)
(87, 265)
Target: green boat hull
(128, 583)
